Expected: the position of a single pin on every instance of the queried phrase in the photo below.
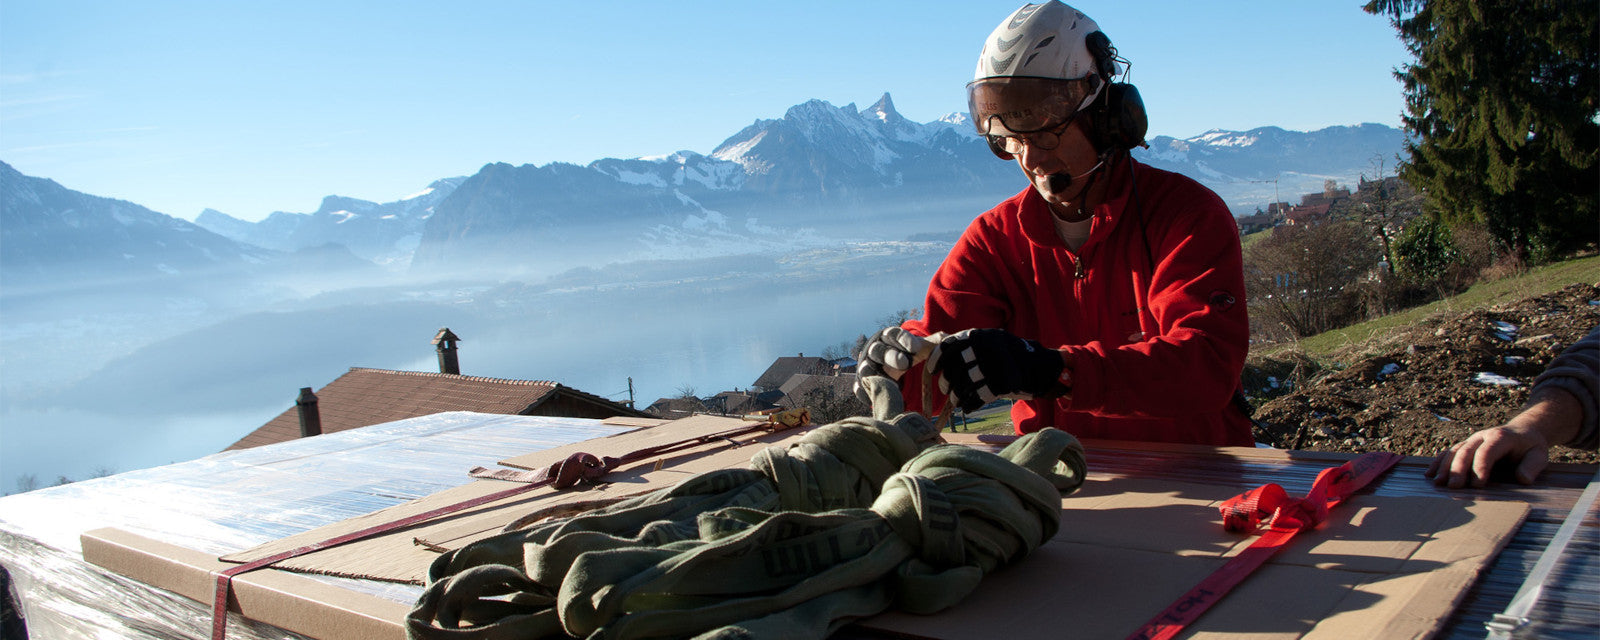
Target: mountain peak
(884, 110)
(337, 204)
(211, 215)
(816, 110)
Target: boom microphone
(1060, 182)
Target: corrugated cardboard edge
(395, 556)
(624, 443)
(626, 421)
(1442, 589)
(277, 598)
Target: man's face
(1073, 155)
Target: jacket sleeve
(1577, 371)
(1197, 329)
(960, 296)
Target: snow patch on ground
(1494, 379)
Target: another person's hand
(1472, 460)
(1524, 440)
(980, 365)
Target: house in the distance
(787, 366)
(736, 403)
(364, 397)
(817, 392)
(675, 408)
(824, 386)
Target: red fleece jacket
(1150, 309)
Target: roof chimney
(445, 343)
(310, 417)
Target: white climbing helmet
(1036, 70)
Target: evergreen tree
(1503, 101)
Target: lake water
(194, 393)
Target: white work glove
(889, 353)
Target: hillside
(1417, 388)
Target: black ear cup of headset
(1120, 123)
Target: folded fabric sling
(854, 518)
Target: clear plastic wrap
(236, 500)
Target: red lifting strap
(578, 467)
(1284, 516)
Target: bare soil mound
(1429, 387)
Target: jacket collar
(1040, 230)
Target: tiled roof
(363, 397)
(674, 408)
(786, 366)
(798, 386)
(736, 403)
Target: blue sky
(255, 107)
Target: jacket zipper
(1077, 276)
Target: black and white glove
(980, 365)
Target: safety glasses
(1009, 106)
(1042, 140)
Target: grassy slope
(1353, 340)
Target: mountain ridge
(51, 233)
(818, 174)
(383, 233)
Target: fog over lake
(112, 379)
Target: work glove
(889, 353)
(980, 365)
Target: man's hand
(889, 353)
(1473, 459)
(1551, 415)
(979, 365)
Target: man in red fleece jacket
(1108, 296)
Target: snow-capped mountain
(1250, 169)
(820, 174)
(835, 172)
(50, 234)
(820, 171)
(386, 234)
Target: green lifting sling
(854, 518)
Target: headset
(1117, 122)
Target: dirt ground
(1421, 391)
